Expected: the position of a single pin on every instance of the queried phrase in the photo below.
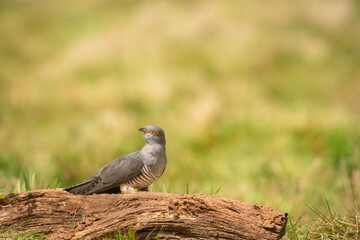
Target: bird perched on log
(136, 170)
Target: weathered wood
(196, 216)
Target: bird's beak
(144, 130)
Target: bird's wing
(117, 172)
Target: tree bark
(62, 215)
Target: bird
(137, 170)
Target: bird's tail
(83, 188)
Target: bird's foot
(127, 189)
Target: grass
(130, 235)
(331, 225)
(326, 225)
(121, 236)
(13, 233)
(259, 100)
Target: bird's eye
(156, 132)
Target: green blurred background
(258, 99)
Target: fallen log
(61, 215)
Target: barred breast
(144, 179)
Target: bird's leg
(145, 189)
(127, 189)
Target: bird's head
(153, 134)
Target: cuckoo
(136, 170)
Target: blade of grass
(218, 190)
(26, 182)
(187, 186)
(329, 209)
(197, 190)
(291, 229)
(148, 236)
(319, 214)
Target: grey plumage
(136, 170)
